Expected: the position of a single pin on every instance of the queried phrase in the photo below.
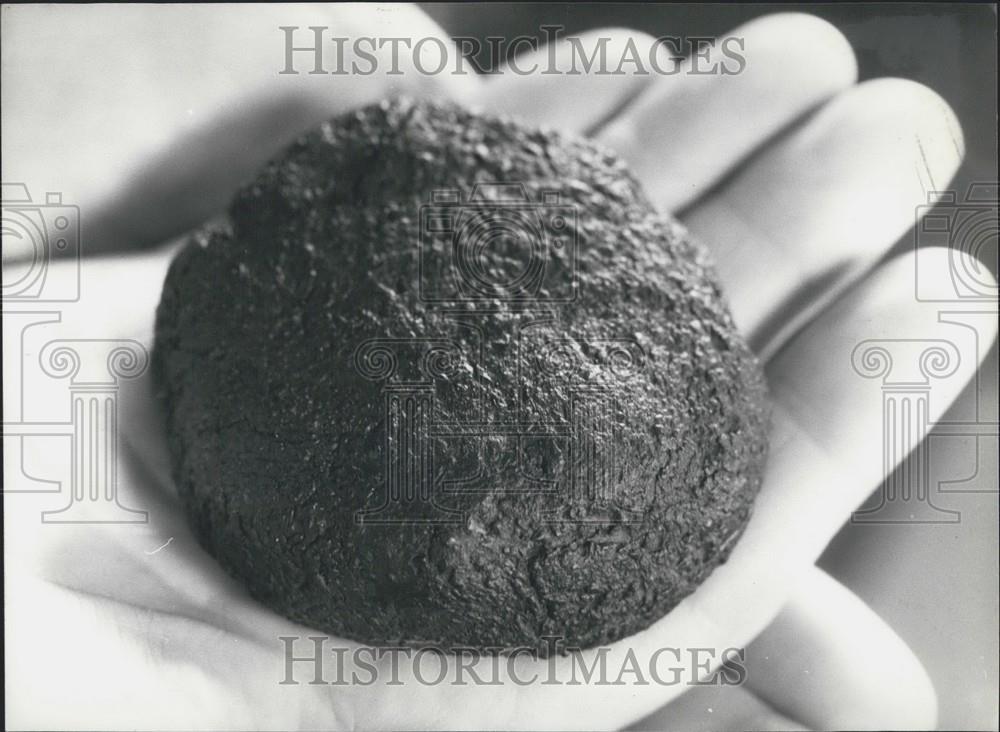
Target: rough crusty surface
(589, 462)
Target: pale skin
(780, 205)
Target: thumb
(150, 139)
(830, 662)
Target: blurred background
(937, 583)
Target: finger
(150, 142)
(689, 129)
(575, 83)
(195, 174)
(831, 662)
(825, 202)
(859, 389)
(826, 446)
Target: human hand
(818, 205)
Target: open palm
(796, 178)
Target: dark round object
(445, 379)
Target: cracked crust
(278, 434)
